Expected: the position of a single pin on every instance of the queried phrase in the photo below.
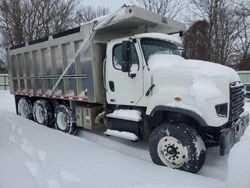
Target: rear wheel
(43, 113)
(64, 120)
(177, 146)
(24, 108)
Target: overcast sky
(112, 4)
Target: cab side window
(117, 56)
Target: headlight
(221, 109)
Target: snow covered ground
(33, 156)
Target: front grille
(236, 100)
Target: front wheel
(177, 146)
(64, 120)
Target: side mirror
(133, 70)
(181, 34)
(126, 56)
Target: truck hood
(196, 69)
(199, 85)
(199, 80)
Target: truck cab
(136, 75)
(146, 72)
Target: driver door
(121, 88)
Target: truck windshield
(154, 46)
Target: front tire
(24, 108)
(43, 113)
(177, 146)
(64, 120)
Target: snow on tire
(24, 108)
(43, 113)
(177, 146)
(64, 120)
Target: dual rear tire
(43, 112)
(64, 120)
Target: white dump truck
(125, 71)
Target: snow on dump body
(130, 115)
(197, 68)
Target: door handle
(112, 86)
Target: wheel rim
(40, 114)
(171, 152)
(23, 108)
(62, 121)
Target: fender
(187, 112)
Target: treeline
(27, 20)
(3, 68)
(222, 34)
(22, 20)
(218, 30)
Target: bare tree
(242, 46)
(245, 6)
(63, 17)
(32, 19)
(169, 8)
(88, 13)
(3, 55)
(11, 21)
(195, 41)
(3, 68)
(223, 23)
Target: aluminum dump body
(35, 67)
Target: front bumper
(229, 136)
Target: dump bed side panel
(35, 68)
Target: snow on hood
(203, 75)
(198, 68)
(203, 90)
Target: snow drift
(32, 155)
